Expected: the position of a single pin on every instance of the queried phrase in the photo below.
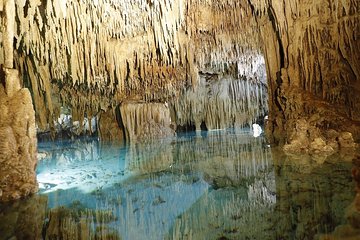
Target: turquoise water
(200, 185)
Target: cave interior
(250, 101)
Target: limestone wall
(17, 139)
(313, 60)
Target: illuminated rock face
(144, 121)
(89, 56)
(312, 56)
(17, 139)
(223, 101)
(92, 55)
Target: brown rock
(145, 121)
(110, 127)
(17, 144)
(346, 140)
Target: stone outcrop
(306, 138)
(144, 121)
(17, 139)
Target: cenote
(223, 184)
(179, 120)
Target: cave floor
(202, 185)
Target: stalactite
(312, 58)
(113, 50)
(144, 121)
(226, 101)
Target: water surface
(201, 185)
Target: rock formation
(17, 139)
(110, 130)
(199, 56)
(313, 61)
(90, 56)
(223, 101)
(18, 143)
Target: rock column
(18, 144)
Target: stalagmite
(17, 123)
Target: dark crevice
(119, 121)
(2, 76)
(347, 63)
(26, 8)
(276, 30)
(253, 12)
(185, 128)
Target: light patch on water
(149, 187)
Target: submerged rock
(346, 140)
(306, 138)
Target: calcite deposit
(146, 121)
(313, 62)
(204, 59)
(17, 139)
(90, 56)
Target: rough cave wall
(17, 139)
(89, 56)
(312, 52)
(17, 121)
(92, 55)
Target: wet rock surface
(306, 138)
(23, 219)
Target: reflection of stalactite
(221, 183)
(227, 156)
(80, 223)
(144, 158)
(23, 220)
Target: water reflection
(203, 185)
